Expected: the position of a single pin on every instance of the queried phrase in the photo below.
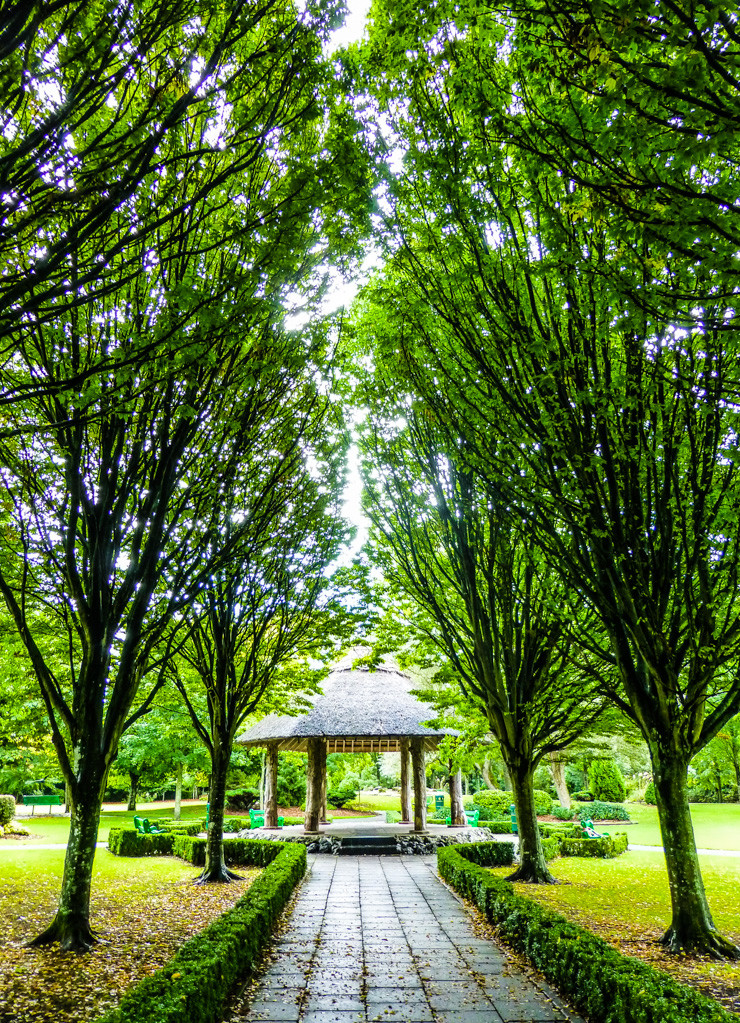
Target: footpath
(381, 938)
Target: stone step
(368, 845)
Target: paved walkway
(381, 938)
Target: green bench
(257, 819)
(471, 818)
(34, 801)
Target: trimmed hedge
(128, 842)
(7, 809)
(488, 854)
(603, 984)
(195, 985)
(180, 827)
(550, 848)
(392, 816)
(494, 801)
(606, 848)
(498, 827)
(600, 811)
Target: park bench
(257, 819)
(34, 801)
(589, 831)
(471, 818)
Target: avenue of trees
(548, 356)
(557, 299)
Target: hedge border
(196, 983)
(600, 982)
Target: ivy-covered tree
(445, 539)
(139, 379)
(518, 317)
(266, 607)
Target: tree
(445, 538)
(107, 113)
(511, 324)
(266, 605)
(141, 396)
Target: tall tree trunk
(532, 865)
(178, 791)
(133, 789)
(215, 870)
(71, 925)
(271, 773)
(557, 771)
(485, 773)
(457, 811)
(692, 929)
(316, 769)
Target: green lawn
(626, 901)
(716, 825)
(55, 828)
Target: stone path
(381, 938)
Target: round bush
(563, 813)
(7, 809)
(542, 802)
(607, 782)
(598, 811)
(493, 800)
(583, 797)
(650, 794)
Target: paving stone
(336, 1002)
(333, 1016)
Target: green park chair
(139, 825)
(589, 831)
(149, 828)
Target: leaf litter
(140, 923)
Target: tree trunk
(133, 790)
(532, 865)
(457, 811)
(557, 770)
(67, 798)
(271, 773)
(405, 783)
(420, 785)
(215, 870)
(692, 929)
(486, 774)
(263, 782)
(178, 792)
(71, 925)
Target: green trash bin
(439, 802)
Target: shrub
(599, 811)
(241, 799)
(561, 830)
(494, 801)
(607, 781)
(604, 985)
(180, 827)
(232, 824)
(128, 842)
(584, 796)
(563, 813)
(606, 848)
(342, 795)
(550, 848)
(497, 827)
(650, 794)
(392, 816)
(7, 809)
(194, 986)
(542, 802)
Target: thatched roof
(359, 711)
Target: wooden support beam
(405, 783)
(420, 784)
(271, 771)
(316, 769)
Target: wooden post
(271, 772)
(420, 784)
(405, 783)
(313, 783)
(457, 811)
(323, 782)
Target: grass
(55, 828)
(143, 910)
(716, 825)
(626, 901)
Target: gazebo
(359, 711)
